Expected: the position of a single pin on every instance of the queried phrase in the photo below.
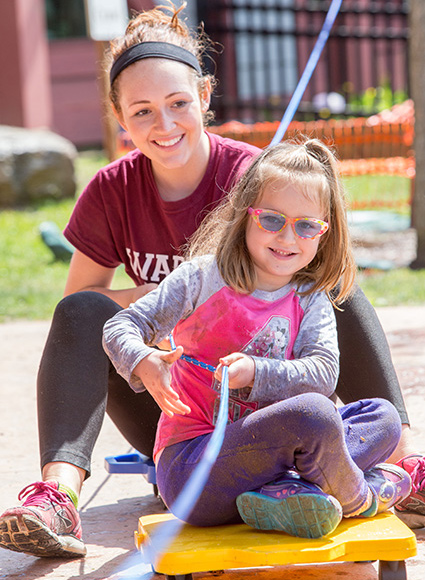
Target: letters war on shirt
(153, 267)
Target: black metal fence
(266, 45)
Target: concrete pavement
(111, 505)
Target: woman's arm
(85, 274)
(130, 335)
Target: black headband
(153, 50)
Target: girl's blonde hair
(161, 24)
(310, 167)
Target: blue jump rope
(308, 71)
(164, 533)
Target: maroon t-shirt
(121, 218)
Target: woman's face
(162, 110)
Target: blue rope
(191, 491)
(194, 361)
(139, 566)
(308, 71)
(198, 363)
(163, 535)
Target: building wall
(76, 98)
(24, 85)
(55, 83)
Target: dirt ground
(112, 504)
(386, 249)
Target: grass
(31, 282)
(401, 287)
(390, 191)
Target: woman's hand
(154, 372)
(140, 291)
(241, 370)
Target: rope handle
(189, 359)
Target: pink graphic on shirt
(272, 341)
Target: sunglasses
(274, 222)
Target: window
(266, 61)
(65, 19)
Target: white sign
(106, 18)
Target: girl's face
(161, 109)
(278, 256)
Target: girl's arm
(315, 366)
(130, 335)
(85, 274)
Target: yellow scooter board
(383, 537)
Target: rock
(35, 164)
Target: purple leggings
(328, 446)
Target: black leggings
(77, 383)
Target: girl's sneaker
(388, 484)
(292, 505)
(47, 524)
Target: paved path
(111, 505)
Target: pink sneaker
(412, 509)
(47, 524)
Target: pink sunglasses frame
(255, 214)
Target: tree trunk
(417, 76)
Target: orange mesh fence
(352, 139)
(377, 145)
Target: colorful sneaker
(412, 509)
(292, 505)
(47, 524)
(389, 484)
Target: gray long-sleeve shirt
(291, 338)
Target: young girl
(257, 297)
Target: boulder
(35, 164)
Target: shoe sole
(301, 515)
(27, 534)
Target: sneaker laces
(418, 476)
(42, 492)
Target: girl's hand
(154, 372)
(241, 370)
(164, 344)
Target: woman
(139, 211)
